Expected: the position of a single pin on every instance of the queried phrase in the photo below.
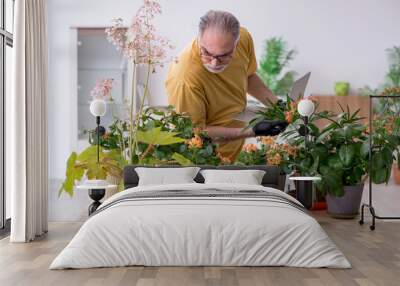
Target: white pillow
(166, 176)
(248, 177)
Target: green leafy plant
(384, 146)
(392, 77)
(335, 153)
(275, 60)
(385, 137)
(269, 152)
(85, 164)
(113, 137)
(188, 146)
(342, 160)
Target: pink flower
(102, 89)
(139, 42)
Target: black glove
(269, 128)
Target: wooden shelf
(330, 103)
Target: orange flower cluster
(292, 151)
(274, 160)
(289, 116)
(275, 152)
(267, 140)
(225, 160)
(388, 124)
(195, 142)
(249, 148)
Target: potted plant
(342, 88)
(342, 163)
(392, 77)
(297, 160)
(335, 154)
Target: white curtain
(28, 115)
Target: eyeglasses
(221, 58)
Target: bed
(201, 224)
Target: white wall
(336, 40)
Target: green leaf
(331, 181)
(95, 171)
(365, 149)
(346, 154)
(379, 175)
(89, 153)
(68, 184)
(156, 136)
(387, 155)
(335, 162)
(182, 160)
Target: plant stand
(305, 191)
(370, 202)
(96, 193)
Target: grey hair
(221, 20)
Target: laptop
(298, 89)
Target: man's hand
(269, 128)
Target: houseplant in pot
(342, 88)
(343, 164)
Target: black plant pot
(347, 206)
(304, 190)
(96, 195)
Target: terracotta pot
(347, 206)
(396, 174)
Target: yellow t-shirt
(213, 99)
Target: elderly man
(211, 79)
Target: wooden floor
(375, 257)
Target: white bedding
(200, 231)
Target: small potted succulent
(342, 88)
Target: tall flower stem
(132, 110)
(146, 88)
